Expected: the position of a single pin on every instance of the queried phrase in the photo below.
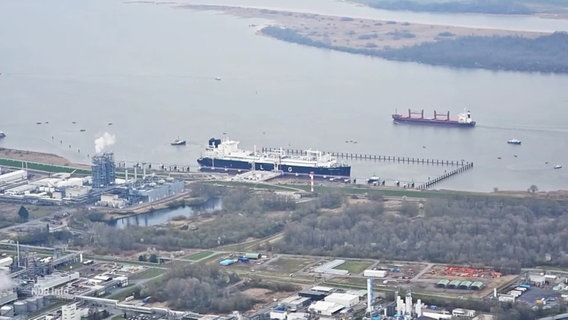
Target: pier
(446, 175)
(376, 157)
(460, 165)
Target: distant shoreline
(358, 32)
(437, 45)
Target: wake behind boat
(227, 156)
(439, 119)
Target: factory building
(324, 308)
(70, 312)
(76, 192)
(375, 273)
(103, 170)
(160, 189)
(49, 282)
(112, 200)
(295, 303)
(343, 299)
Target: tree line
(503, 232)
(199, 287)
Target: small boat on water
(178, 142)
(374, 180)
(514, 141)
(558, 166)
(2, 134)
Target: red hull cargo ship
(439, 119)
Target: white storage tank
(6, 261)
(7, 311)
(20, 307)
(31, 304)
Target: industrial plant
(102, 188)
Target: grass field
(42, 166)
(200, 255)
(214, 258)
(285, 266)
(148, 273)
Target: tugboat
(178, 142)
(514, 141)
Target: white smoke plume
(6, 282)
(106, 140)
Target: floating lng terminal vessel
(227, 156)
(439, 119)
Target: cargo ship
(439, 119)
(227, 156)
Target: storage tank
(6, 311)
(31, 304)
(20, 307)
(6, 261)
(40, 301)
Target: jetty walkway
(375, 157)
(460, 165)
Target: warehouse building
(324, 308)
(343, 299)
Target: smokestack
(126, 175)
(143, 171)
(135, 174)
(418, 309)
(370, 295)
(81, 257)
(18, 252)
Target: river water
(146, 74)
(163, 216)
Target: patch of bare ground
(356, 33)
(41, 157)
(265, 295)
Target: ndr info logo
(49, 291)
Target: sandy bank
(359, 33)
(41, 157)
